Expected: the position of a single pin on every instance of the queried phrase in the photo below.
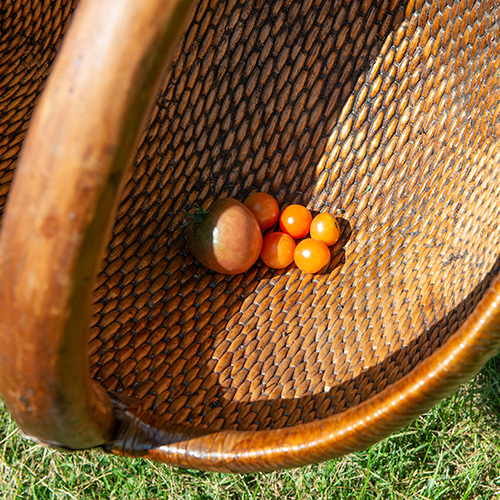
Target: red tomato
(295, 220)
(277, 250)
(226, 238)
(311, 255)
(265, 208)
(324, 227)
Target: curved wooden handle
(60, 208)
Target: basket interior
(383, 113)
(378, 112)
(30, 36)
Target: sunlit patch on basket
(363, 108)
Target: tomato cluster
(279, 248)
(228, 236)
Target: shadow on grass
(486, 386)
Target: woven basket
(385, 113)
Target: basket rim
(437, 376)
(51, 233)
(91, 418)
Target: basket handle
(82, 138)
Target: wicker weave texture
(383, 113)
(30, 35)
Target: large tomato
(226, 238)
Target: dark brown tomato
(226, 238)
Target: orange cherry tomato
(324, 227)
(311, 255)
(277, 250)
(265, 208)
(295, 220)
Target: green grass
(452, 452)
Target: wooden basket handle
(81, 140)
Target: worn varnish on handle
(386, 113)
(60, 209)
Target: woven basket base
(383, 114)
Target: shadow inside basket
(289, 104)
(220, 404)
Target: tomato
(295, 220)
(226, 238)
(265, 208)
(311, 255)
(277, 250)
(324, 227)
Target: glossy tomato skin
(325, 227)
(226, 238)
(277, 250)
(311, 255)
(295, 220)
(265, 208)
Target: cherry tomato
(295, 220)
(324, 227)
(226, 238)
(277, 250)
(311, 255)
(265, 208)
